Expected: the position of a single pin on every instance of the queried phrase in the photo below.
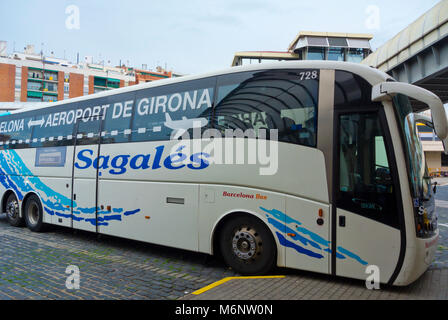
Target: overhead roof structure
(330, 39)
(419, 53)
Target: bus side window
(52, 127)
(365, 182)
(170, 111)
(280, 100)
(351, 91)
(19, 133)
(117, 121)
(3, 139)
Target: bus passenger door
(366, 196)
(84, 194)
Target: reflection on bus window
(169, 111)
(282, 100)
(365, 181)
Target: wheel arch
(5, 197)
(27, 196)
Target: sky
(194, 36)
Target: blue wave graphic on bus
(303, 240)
(15, 175)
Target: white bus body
(349, 189)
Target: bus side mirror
(381, 90)
(435, 187)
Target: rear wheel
(12, 211)
(34, 214)
(247, 246)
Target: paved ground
(33, 265)
(310, 286)
(441, 257)
(306, 285)
(441, 181)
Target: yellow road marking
(217, 283)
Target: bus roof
(371, 75)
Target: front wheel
(34, 214)
(248, 246)
(12, 211)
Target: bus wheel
(34, 214)
(247, 246)
(12, 211)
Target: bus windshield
(420, 185)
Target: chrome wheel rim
(12, 209)
(246, 244)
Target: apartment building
(28, 77)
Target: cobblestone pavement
(33, 265)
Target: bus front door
(365, 197)
(85, 176)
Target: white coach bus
(350, 187)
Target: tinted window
(15, 131)
(365, 180)
(444, 160)
(118, 118)
(52, 126)
(88, 130)
(284, 100)
(56, 126)
(40, 128)
(351, 90)
(161, 112)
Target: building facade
(26, 77)
(307, 45)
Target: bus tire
(13, 212)
(247, 246)
(34, 214)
